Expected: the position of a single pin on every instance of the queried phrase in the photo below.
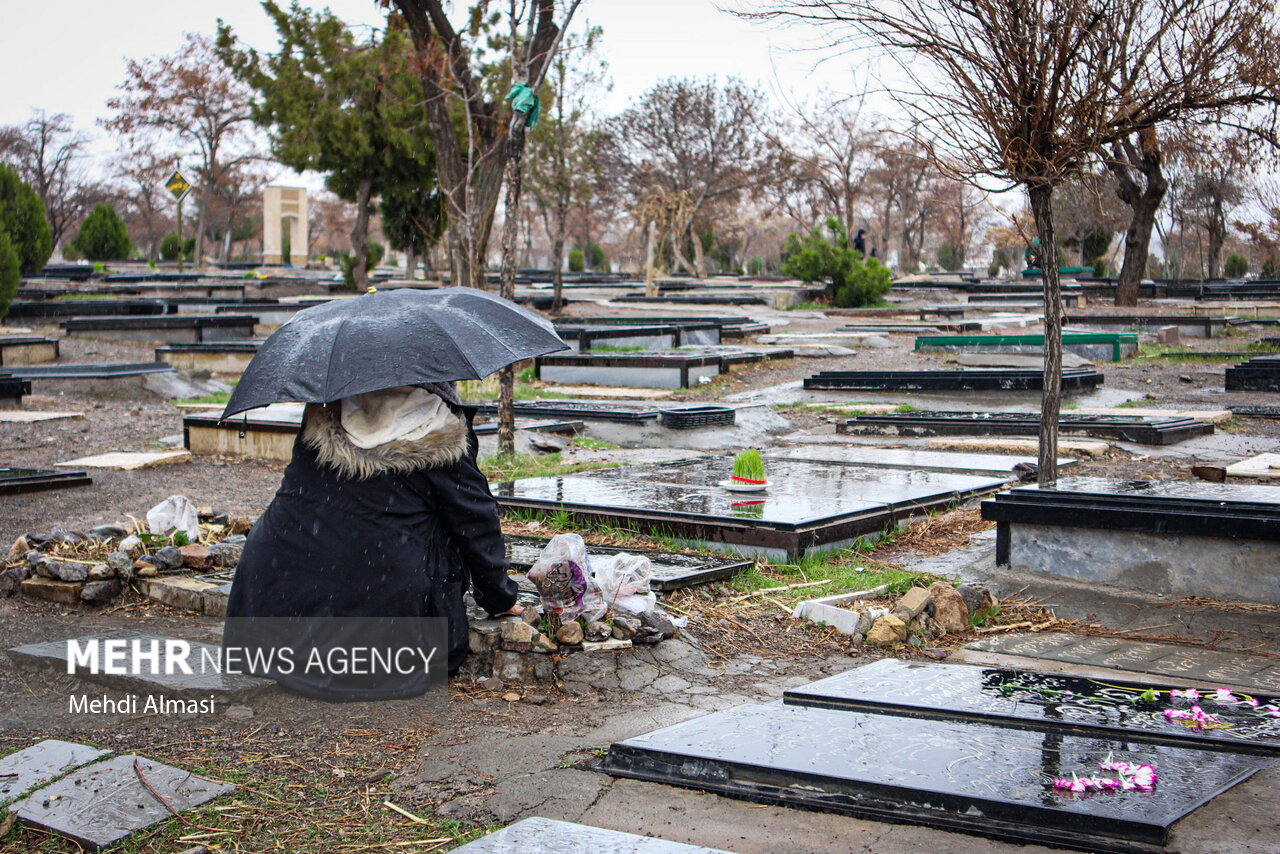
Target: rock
(546, 443)
(36, 539)
(647, 635)
(20, 547)
(225, 555)
(11, 579)
(977, 598)
(888, 630)
(60, 534)
(659, 622)
(935, 653)
(1186, 378)
(238, 525)
(490, 683)
(517, 635)
(62, 570)
(238, 713)
(121, 563)
(99, 571)
(108, 533)
(571, 633)
(34, 557)
(168, 558)
(597, 631)
(515, 668)
(146, 570)
(949, 609)
(625, 628)
(101, 592)
(1167, 335)
(131, 545)
(911, 604)
(877, 342)
(196, 557)
(542, 643)
(235, 540)
(536, 699)
(376, 776)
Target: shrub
(755, 266)
(577, 261)
(103, 235)
(169, 247)
(1236, 266)
(1270, 269)
(10, 273)
(22, 217)
(827, 257)
(949, 257)
(347, 261)
(595, 256)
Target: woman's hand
(513, 611)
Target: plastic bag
(564, 580)
(624, 581)
(175, 513)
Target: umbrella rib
(333, 349)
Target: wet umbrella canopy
(380, 340)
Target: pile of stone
(94, 567)
(514, 650)
(920, 617)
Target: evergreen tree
(10, 274)
(350, 109)
(22, 219)
(103, 235)
(827, 257)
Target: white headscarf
(400, 414)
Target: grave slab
(1261, 465)
(128, 460)
(49, 590)
(1096, 346)
(545, 836)
(14, 481)
(988, 465)
(1167, 661)
(52, 656)
(1127, 428)
(177, 591)
(29, 417)
(1208, 416)
(29, 350)
(979, 778)
(103, 803)
(36, 765)
(975, 379)
(1011, 445)
(1043, 701)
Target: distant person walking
(860, 242)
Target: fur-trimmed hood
(323, 432)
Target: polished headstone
(798, 479)
(546, 836)
(52, 655)
(992, 465)
(1066, 702)
(1177, 490)
(105, 802)
(982, 778)
(1171, 661)
(36, 765)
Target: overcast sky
(67, 56)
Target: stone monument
(284, 225)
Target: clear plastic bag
(624, 581)
(175, 513)
(564, 579)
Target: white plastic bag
(564, 580)
(624, 581)
(175, 513)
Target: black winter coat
(392, 532)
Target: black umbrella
(380, 340)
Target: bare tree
(140, 172)
(191, 97)
(694, 139)
(49, 153)
(564, 146)
(1023, 92)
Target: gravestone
(14, 481)
(36, 765)
(978, 777)
(103, 803)
(285, 214)
(1127, 428)
(546, 836)
(1073, 379)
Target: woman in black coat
(383, 512)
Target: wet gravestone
(36, 765)
(981, 777)
(103, 803)
(546, 836)
(1240, 721)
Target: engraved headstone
(36, 765)
(105, 802)
(547, 836)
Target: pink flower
(1252, 701)
(1186, 694)
(1224, 695)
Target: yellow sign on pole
(178, 185)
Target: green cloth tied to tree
(523, 100)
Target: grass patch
(808, 306)
(217, 397)
(508, 467)
(79, 297)
(846, 570)
(586, 443)
(613, 348)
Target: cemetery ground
(515, 749)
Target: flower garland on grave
(1194, 717)
(1130, 777)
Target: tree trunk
(206, 195)
(677, 237)
(650, 289)
(557, 256)
(1217, 234)
(1041, 196)
(410, 262)
(507, 288)
(1143, 201)
(360, 236)
(699, 259)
